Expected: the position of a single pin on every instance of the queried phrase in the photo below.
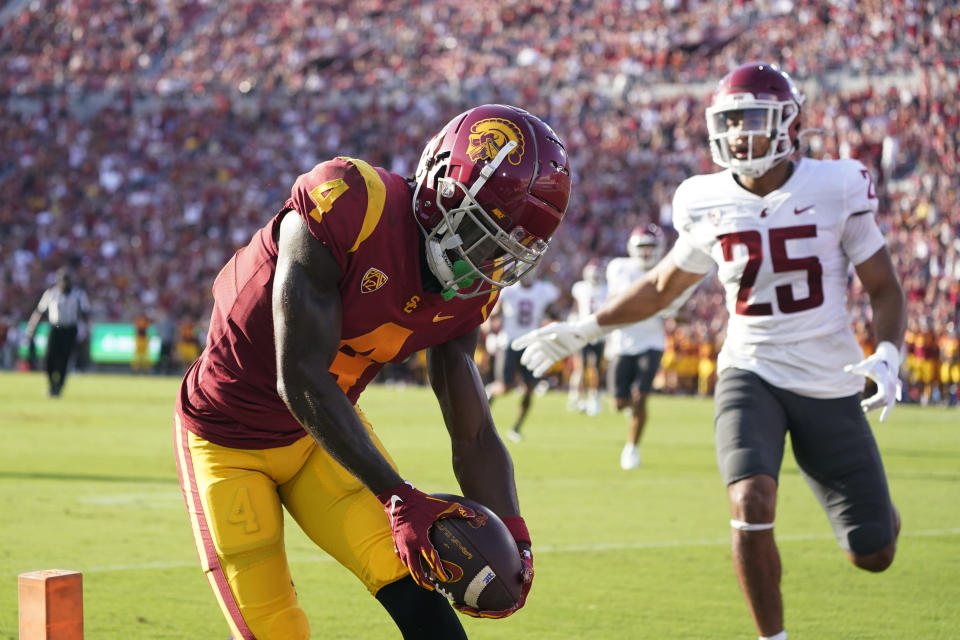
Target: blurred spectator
(141, 344)
(128, 133)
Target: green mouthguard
(460, 271)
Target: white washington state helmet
(646, 244)
(754, 101)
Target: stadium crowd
(143, 142)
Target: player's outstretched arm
(645, 297)
(880, 281)
(307, 317)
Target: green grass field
(88, 482)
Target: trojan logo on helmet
(488, 136)
(490, 189)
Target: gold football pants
(234, 499)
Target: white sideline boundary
(321, 558)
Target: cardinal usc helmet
(753, 119)
(491, 188)
(646, 245)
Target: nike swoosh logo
(394, 499)
(440, 318)
(799, 211)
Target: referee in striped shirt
(65, 307)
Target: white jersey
(588, 297)
(783, 260)
(641, 336)
(522, 308)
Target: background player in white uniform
(588, 294)
(783, 233)
(634, 351)
(521, 310)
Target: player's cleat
(629, 457)
(593, 406)
(514, 435)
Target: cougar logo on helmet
(488, 136)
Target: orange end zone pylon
(51, 605)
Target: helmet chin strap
(438, 262)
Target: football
(480, 556)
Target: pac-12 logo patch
(373, 279)
(490, 135)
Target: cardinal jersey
(363, 216)
(523, 308)
(641, 336)
(783, 260)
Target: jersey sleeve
(576, 292)
(551, 293)
(860, 193)
(341, 201)
(861, 237)
(685, 254)
(44, 305)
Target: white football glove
(557, 340)
(883, 367)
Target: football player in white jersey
(634, 351)
(588, 294)
(782, 231)
(521, 310)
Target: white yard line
(320, 557)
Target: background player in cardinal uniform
(359, 268)
(588, 294)
(782, 233)
(520, 309)
(634, 351)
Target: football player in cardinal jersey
(782, 232)
(361, 267)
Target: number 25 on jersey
(753, 242)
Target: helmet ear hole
(795, 131)
(441, 170)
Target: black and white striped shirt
(64, 309)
